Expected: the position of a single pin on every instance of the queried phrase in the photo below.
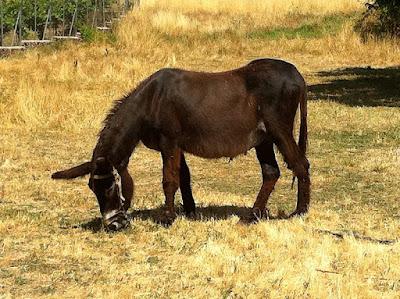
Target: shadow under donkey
(222, 213)
(202, 214)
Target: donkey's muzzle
(116, 226)
(115, 221)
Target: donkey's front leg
(171, 156)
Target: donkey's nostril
(115, 220)
(117, 225)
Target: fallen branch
(356, 235)
(365, 277)
(327, 271)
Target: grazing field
(52, 102)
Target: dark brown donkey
(210, 115)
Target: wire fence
(24, 22)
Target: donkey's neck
(120, 134)
(121, 131)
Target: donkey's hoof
(298, 213)
(255, 215)
(167, 218)
(190, 214)
(260, 213)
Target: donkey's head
(113, 191)
(106, 184)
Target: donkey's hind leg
(270, 175)
(171, 156)
(296, 161)
(189, 205)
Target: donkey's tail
(303, 123)
(303, 126)
(73, 172)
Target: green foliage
(90, 34)
(382, 18)
(87, 33)
(61, 10)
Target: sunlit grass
(270, 9)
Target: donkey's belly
(224, 145)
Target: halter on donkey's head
(117, 218)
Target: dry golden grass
(268, 8)
(52, 102)
(173, 16)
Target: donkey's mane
(110, 124)
(117, 106)
(108, 120)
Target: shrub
(381, 19)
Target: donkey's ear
(73, 172)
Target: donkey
(210, 115)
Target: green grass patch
(304, 31)
(314, 28)
(360, 139)
(30, 214)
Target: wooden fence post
(94, 22)
(73, 18)
(1, 23)
(20, 23)
(47, 22)
(35, 29)
(103, 13)
(15, 28)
